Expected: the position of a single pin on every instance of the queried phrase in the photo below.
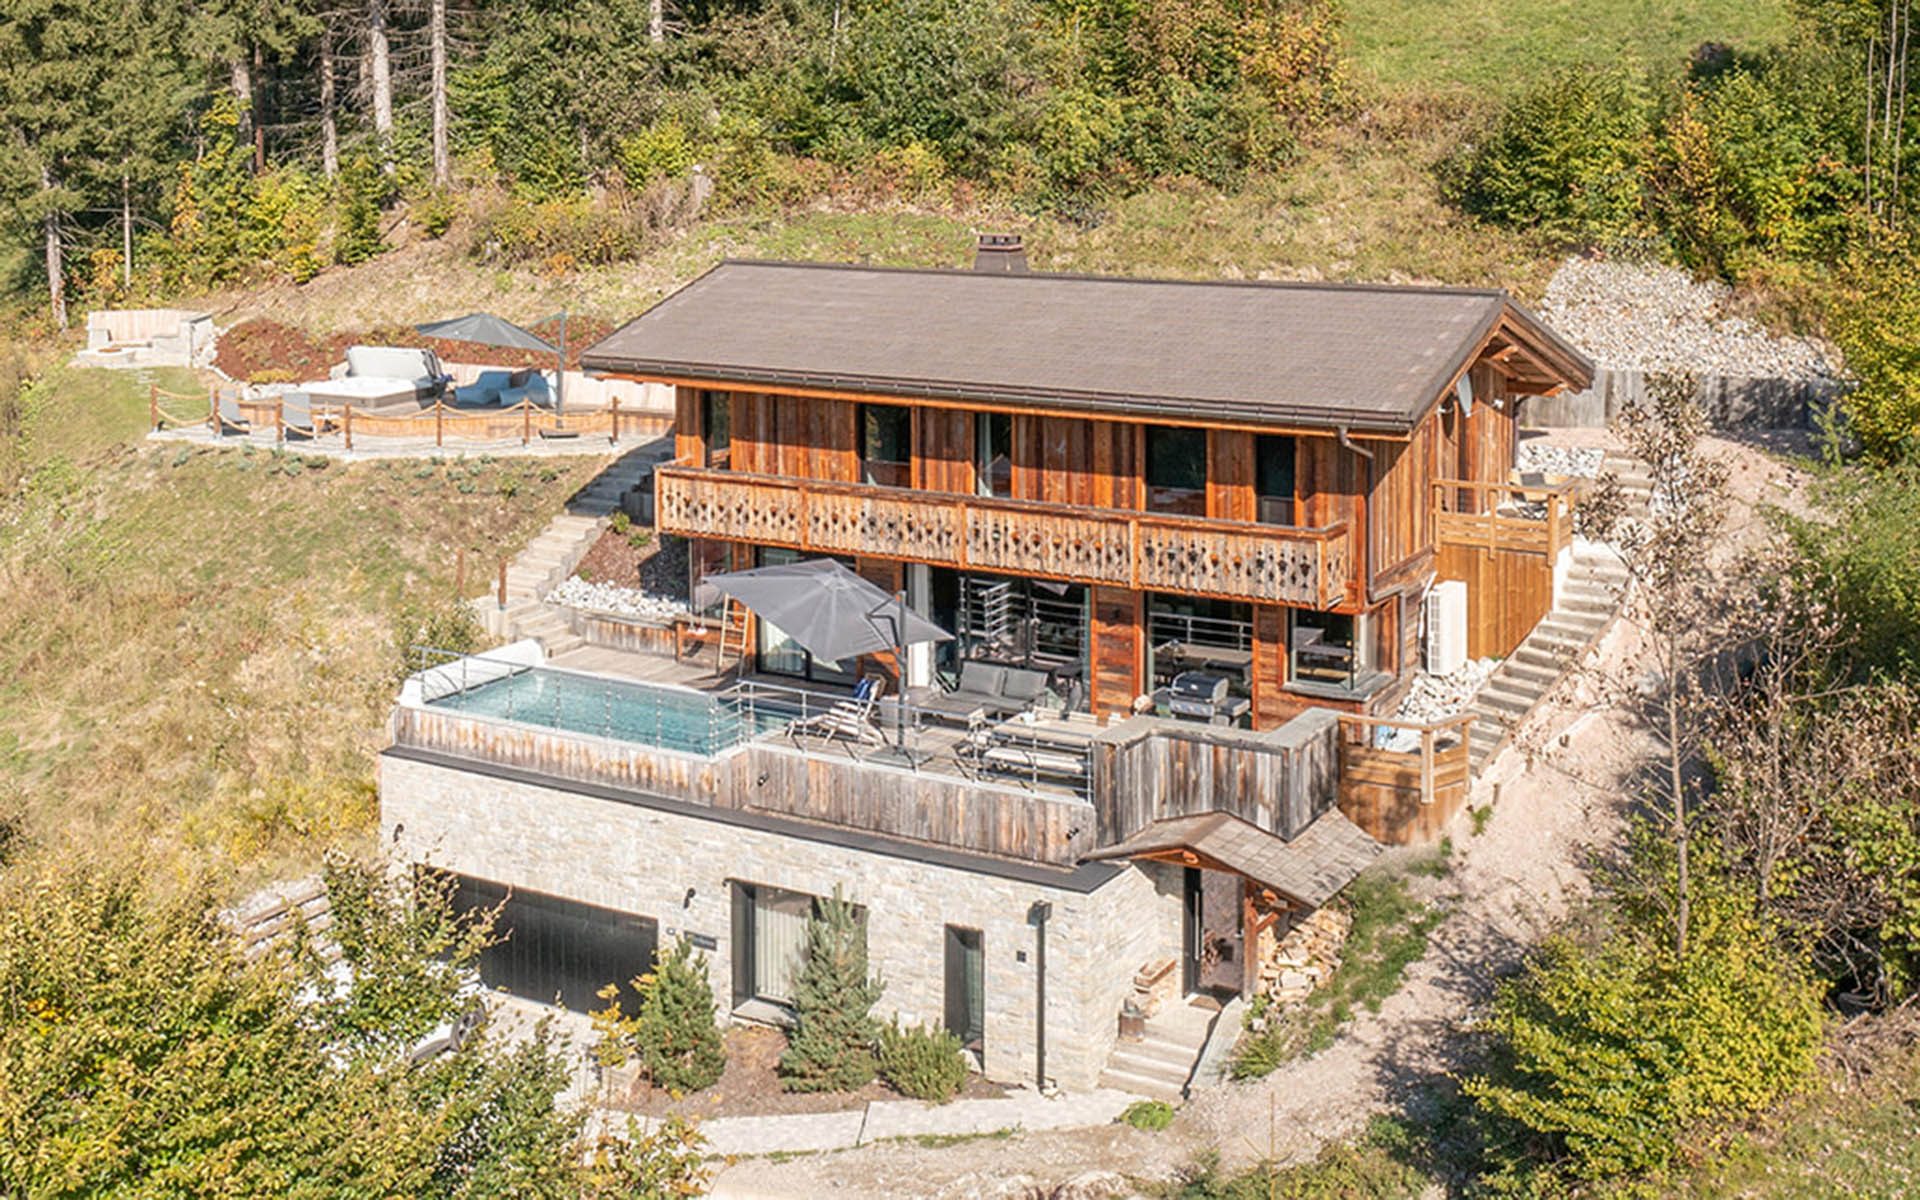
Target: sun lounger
(232, 420)
(296, 415)
(850, 720)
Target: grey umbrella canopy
(487, 330)
(835, 614)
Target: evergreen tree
(676, 1037)
(831, 1049)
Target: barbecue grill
(1202, 696)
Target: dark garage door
(553, 947)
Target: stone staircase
(1160, 1065)
(552, 555)
(1586, 605)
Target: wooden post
(460, 574)
(279, 421)
(213, 409)
(526, 422)
(346, 423)
(613, 429)
(153, 407)
(503, 583)
(1426, 765)
(1249, 939)
(438, 422)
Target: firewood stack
(1305, 957)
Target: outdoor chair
(296, 415)
(986, 689)
(848, 720)
(232, 420)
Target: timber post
(153, 407)
(526, 422)
(439, 420)
(501, 593)
(280, 422)
(213, 409)
(346, 423)
(613, 423)
(460, 573)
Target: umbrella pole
(900, 668)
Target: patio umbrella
(485, 329)
(830, 611)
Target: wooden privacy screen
(1503, 542)
(1401, 797)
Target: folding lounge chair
(851, 720)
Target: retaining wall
(1731, 401)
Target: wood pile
(1304, 957)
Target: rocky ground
(1558, 796)
(1657, 318)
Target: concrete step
(1541, 658)
(1584, 602)
(1499, 701)
(1139, 1085)
(1172, 1055)
(1526, 673)
(1568, 627)
(566, 643)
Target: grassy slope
(1488, 47)
(196, 645)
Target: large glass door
(778, 654)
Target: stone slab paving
(878, 1121)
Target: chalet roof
(1323, 355)
(1312, 868)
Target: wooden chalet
(1116, 480)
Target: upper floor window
(886, 444)
(993, 454)
(1177, 470)
(1273, 479)
(716, 418)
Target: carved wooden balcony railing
(1237, 560)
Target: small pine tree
(831, 1049)
(673, 1035)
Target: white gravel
(1437, 697)
(1574, 462)
(1643, 316)
(576, 592)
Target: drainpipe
(1348, 443)
(1037, 917)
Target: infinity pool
(614, 708)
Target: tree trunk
(329, 123)
(240, 78)
(380, 57)
(258, 104)
(437, 35)
(1676, 782)
(656, 21)
(56, 263)
(126, 232)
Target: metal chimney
(1003, 253)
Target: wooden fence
(444, 423)
(1403, 796)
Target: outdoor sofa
(985, 690)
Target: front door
(1212, 935)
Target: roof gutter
(1346, 443)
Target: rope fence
(444, 423)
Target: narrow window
(1328, 648)
(993, 454)
(1177, 470)
(716, 417)
(770, 942)
(886, 444)
(966, 991)
(1273, 479)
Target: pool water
(614, 708)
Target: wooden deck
(1238, 560)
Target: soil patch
(658, 565)
(751, 1087)
(265, 351)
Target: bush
(1150, 1115)
(1861, 560)
(1564, 157)
(923, 1063)
(449, 626)
(1876, 323)
(674, 1033)
(831, 1049)
(663, 150)
(1609, 1045)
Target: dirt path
(1556, 796)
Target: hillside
(197, 645)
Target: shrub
(1876, 323)
(673, 1034)
(663, 150)
(923, 1063)
(1861, 559)
(1150, 1115)
(1564, 157)
(1608, 1045)
(831, 1049)
(447, 625)
(363, 189)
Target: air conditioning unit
(1447, 627)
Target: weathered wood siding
(1508, 592)
(1117, 651)
(1148, 769)
(771, 777)
(1395, 796)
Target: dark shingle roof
(1312, 868)
(1372, 357)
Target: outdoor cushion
(392, 362)
(1023, 686)
(981, 679)
(487, 386)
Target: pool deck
(938, 749)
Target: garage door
(555, 948)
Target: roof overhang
(1308, 870)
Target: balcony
(1235, 560)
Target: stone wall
(1731, 402)
(674, 867)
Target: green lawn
(1491, 46)
(196, 644)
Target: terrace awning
(832, 612)
(487, 330)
